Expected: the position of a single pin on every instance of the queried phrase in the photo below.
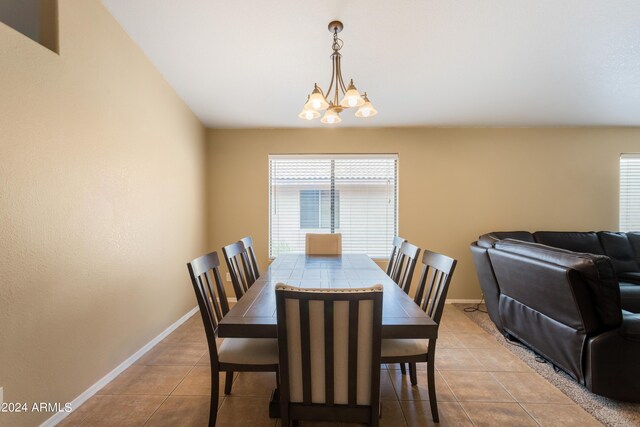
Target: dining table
(254, 314)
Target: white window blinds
(356, 195)
(630, 192)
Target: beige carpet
(607, 411)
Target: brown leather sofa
(560, 294)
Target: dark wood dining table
(254, 315)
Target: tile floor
(478, 383)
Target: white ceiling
(251, 63)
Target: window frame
(621, 203)
(341, 156)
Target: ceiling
(251, 63)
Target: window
(316, 208)
(629, 192)
(356, 195)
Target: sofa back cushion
(576, 241)
(595, 272)
(618, 247)
(634, 239)
(489, 239)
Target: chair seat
(249, 351)
(398, 347)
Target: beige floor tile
(392, 415)
(313, 424)
(474, 341)
(499, 359)
(78, 415)
(447, 339)
(418, 414)
(254, 384)
(174, 354)
(198, 383)
(121, 411)
(530, 387)
(456, 359)
(406, 391)
(137, 379)
(553, 415)
(497, 414)
(476, 386)
(183, 411)
(387, 392)
(204, 360)
(245, 411)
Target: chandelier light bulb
(316, 100)
(352, 98)
(366, 110)
(331, 117)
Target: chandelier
(319, 101)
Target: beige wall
(101, 204)
(454, 184)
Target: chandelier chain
(337, 42)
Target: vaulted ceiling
(251, 63)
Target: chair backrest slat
(437, 270)
(251, 256)
(406, 264)
(393, 259)
(240, 270)
(328, 351)
(317, 328)
(353, 351)
(305, 344)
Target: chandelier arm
(340, 81)
(333, 73)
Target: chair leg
(413, 375)
(213, 405)
(432, 383)
(228, 382)
(403, 369)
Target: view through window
(629, 192)
(356, 195)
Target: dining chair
(238, 263)
(234, 354)
(407, 259)
(393, 259)
(323, 244)
(437, 270)
(329, 343)
(251, 256)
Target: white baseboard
(59, 416)
(463, 301)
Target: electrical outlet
(228, 277)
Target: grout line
(535, 420)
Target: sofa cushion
(630, 297)
(629, 277)
(596, 270)
(576, 241)
(634, 239)
(619, 249)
